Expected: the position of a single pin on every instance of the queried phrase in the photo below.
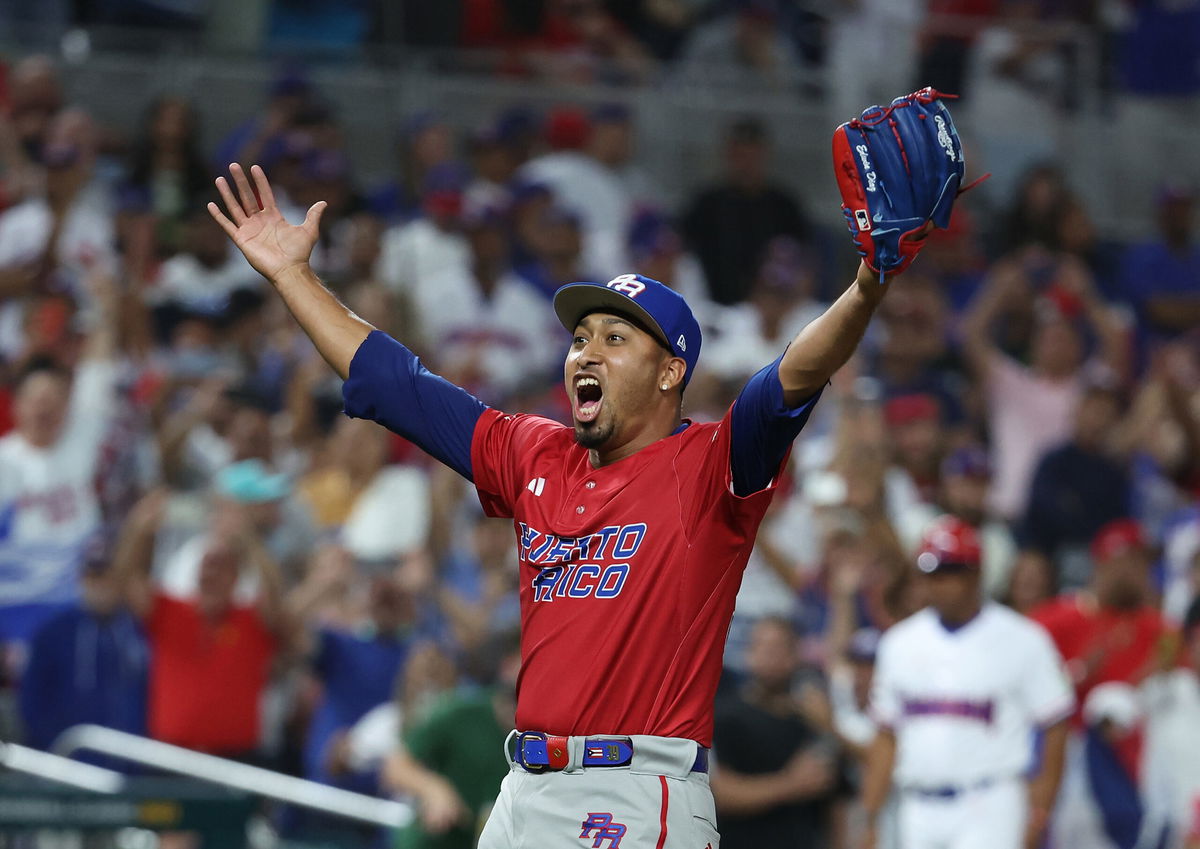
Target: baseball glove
(898, 167)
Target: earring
(665, 387)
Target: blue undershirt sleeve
(389, 385)
(763, 429)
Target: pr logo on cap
(627, 284)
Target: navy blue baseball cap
(660, 309)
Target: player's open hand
(257, 227)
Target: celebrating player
(960, 690)
(633, 526)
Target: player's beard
(594, 434)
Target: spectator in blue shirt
(354, 666)
(1078, 488)
(87, 664)
(1162, 278)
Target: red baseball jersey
(1099, 644)
(628, 573)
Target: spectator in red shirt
(1109, 631)
(211, 657)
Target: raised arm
(389, 385)
(280, 252)
(827, 342)
(1005, 282)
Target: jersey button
(579, 509)
(590, 484)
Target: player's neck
(953, 620)
(621, 446)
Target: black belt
(538, 752)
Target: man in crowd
(1109, 630)
(1078, 488)
(729, 223)
(212, 657)
(88, 663)
(48, 464)
(777, 776)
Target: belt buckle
(521, 738)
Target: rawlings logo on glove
(898, 167)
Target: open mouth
(588, 399)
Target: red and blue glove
(898, 167)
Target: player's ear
(671, 373)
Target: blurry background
(197, 547)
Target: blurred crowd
(1041, 49)
(196, 545)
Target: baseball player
(633, 526)
(962, 690)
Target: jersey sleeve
(1045, 688)
(500, 455)
(763, 429)
(389, 385)
(885, 704)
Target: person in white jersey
(48, 504)
(963, 691)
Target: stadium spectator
(1161, 278)
(259, 137)
(212, 657)
(587, 185)
(165, 180)
(1109, 631)
(728, 224)
(557, 245)
(48, 463)
(1160, 439)
(1031, 408)
(87, 663)
(1036, 210)
(413, 252)
(966, 475)
(66, 233)
(747, 44)
(479, 583)
(203, 272)
(918, 441)
(35, 98)
(355, 666)
(1078, 488)
(781, 301)
(424, 144)
(912, 354)
(886, 29)
(1032, 582)
(1018, 73)
(492, 329)
(493, 165)
(777, 775)
(946, 41)
(614, 145)
(451, 762)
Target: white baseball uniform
(964, 705)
